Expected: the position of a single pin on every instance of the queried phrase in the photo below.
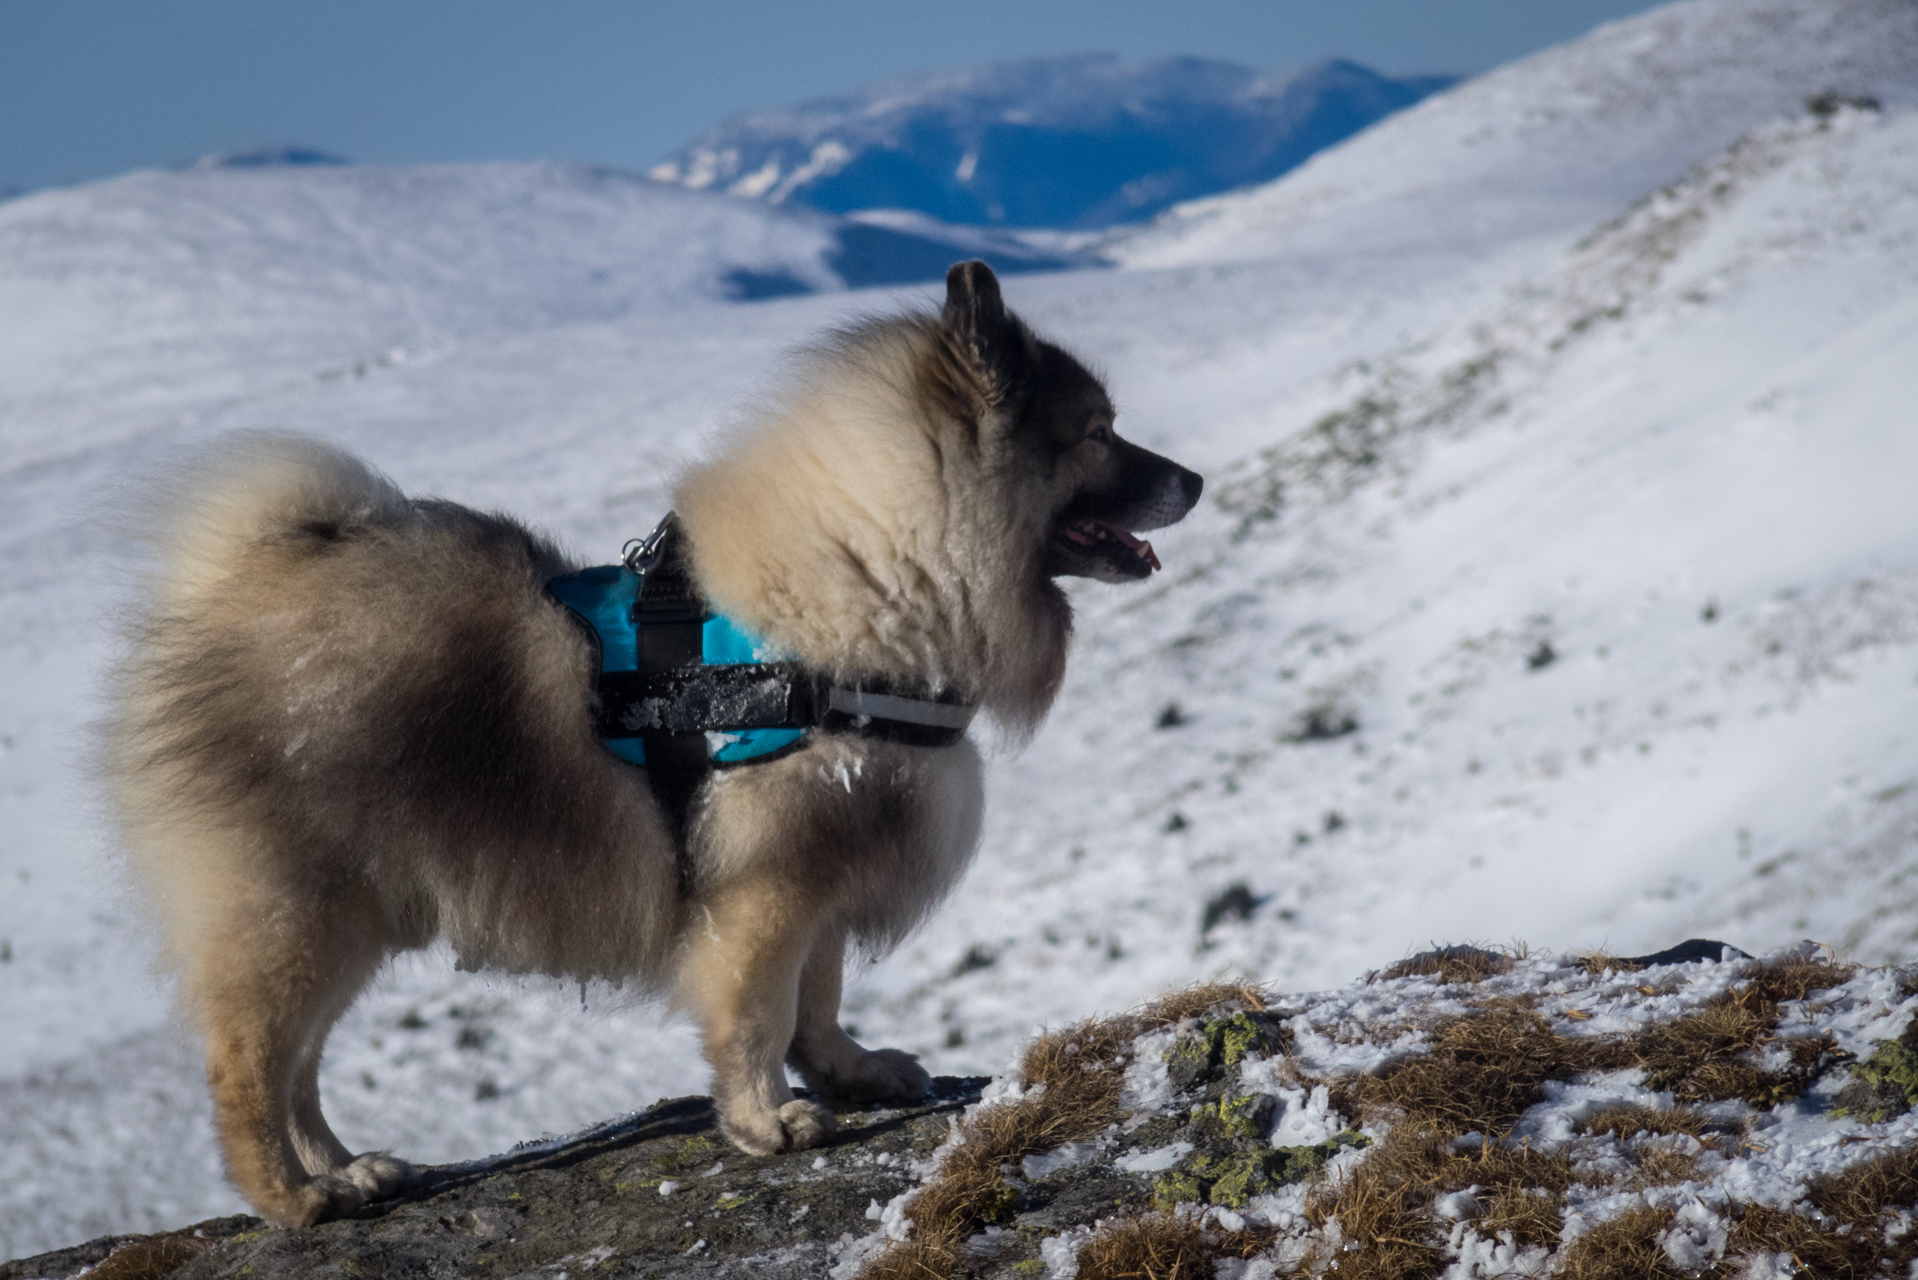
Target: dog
(352, 722)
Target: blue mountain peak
(1084, 140)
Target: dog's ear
(975, 314)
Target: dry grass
(1703, 1057)
(1383, 1204)
(1658, 1166)
(1601, 962)
(1630, 1121)
(1532, 1215)
(152, 1258)
(1155, 1246)
(1846, 1238)
(1083, 1071)
(1484, 1070)
(1163, 1246)
(1190, 1002)
(1460, 964)
(1385, 1237)
(1622, 1248)
(1794, 979)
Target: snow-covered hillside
(1080, 141)
(1556, 579)
(1560, 137)
(241, 274)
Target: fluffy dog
(353, 722)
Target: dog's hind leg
(739, 975)
(266, 995)
(832, 1062)
(321, 1153)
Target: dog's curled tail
(252, 490)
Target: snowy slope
(234, 275)
(1079, 141)
(1665, 443)
(1595, 622)
(1560, 137)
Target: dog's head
(1053, 425)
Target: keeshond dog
(353, 722)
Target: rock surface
(591, 1204)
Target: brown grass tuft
(1177, 1006)
(1465, 965)
(1385, 1238)
(1629, 1121)
(1622, 1248)
(1818, 1250)
(1600, 962)
(1847, 1238)
(1794, 978)
(1083, 1070)
(1483, 1071)
(1532, 1215)
(1703, 1057)
(1383, 1204)
(1153, 1246)
(152, 1258)
(1660, 1165)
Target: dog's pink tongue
(1139, 546)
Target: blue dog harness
(606, 598)
(681, 690)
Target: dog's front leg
(740, 977)
(832, 1062)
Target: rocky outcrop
(659, 1193)
(1464, 1112)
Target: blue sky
(95, 87)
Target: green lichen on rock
(1885, 1085)
(1246, 1117)
(1186, 1062)
(1216, 1047)
(1233, 1177)
(1178, 1188)
(1229, 1039)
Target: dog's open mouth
(1105, 546)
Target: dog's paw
(341, 1193)
(377, 1174)
(794, 1127)
(318, 1199)
(881, 1075)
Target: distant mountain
(269, 158)
(1081, 141)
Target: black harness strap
(670, 614)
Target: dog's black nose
(1194, 485)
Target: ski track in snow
(1582, 499)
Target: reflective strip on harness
(885, 706)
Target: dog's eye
(1102, 433)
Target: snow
(1608, 559)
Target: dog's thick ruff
(352, 722)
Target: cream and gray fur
(352, 722)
